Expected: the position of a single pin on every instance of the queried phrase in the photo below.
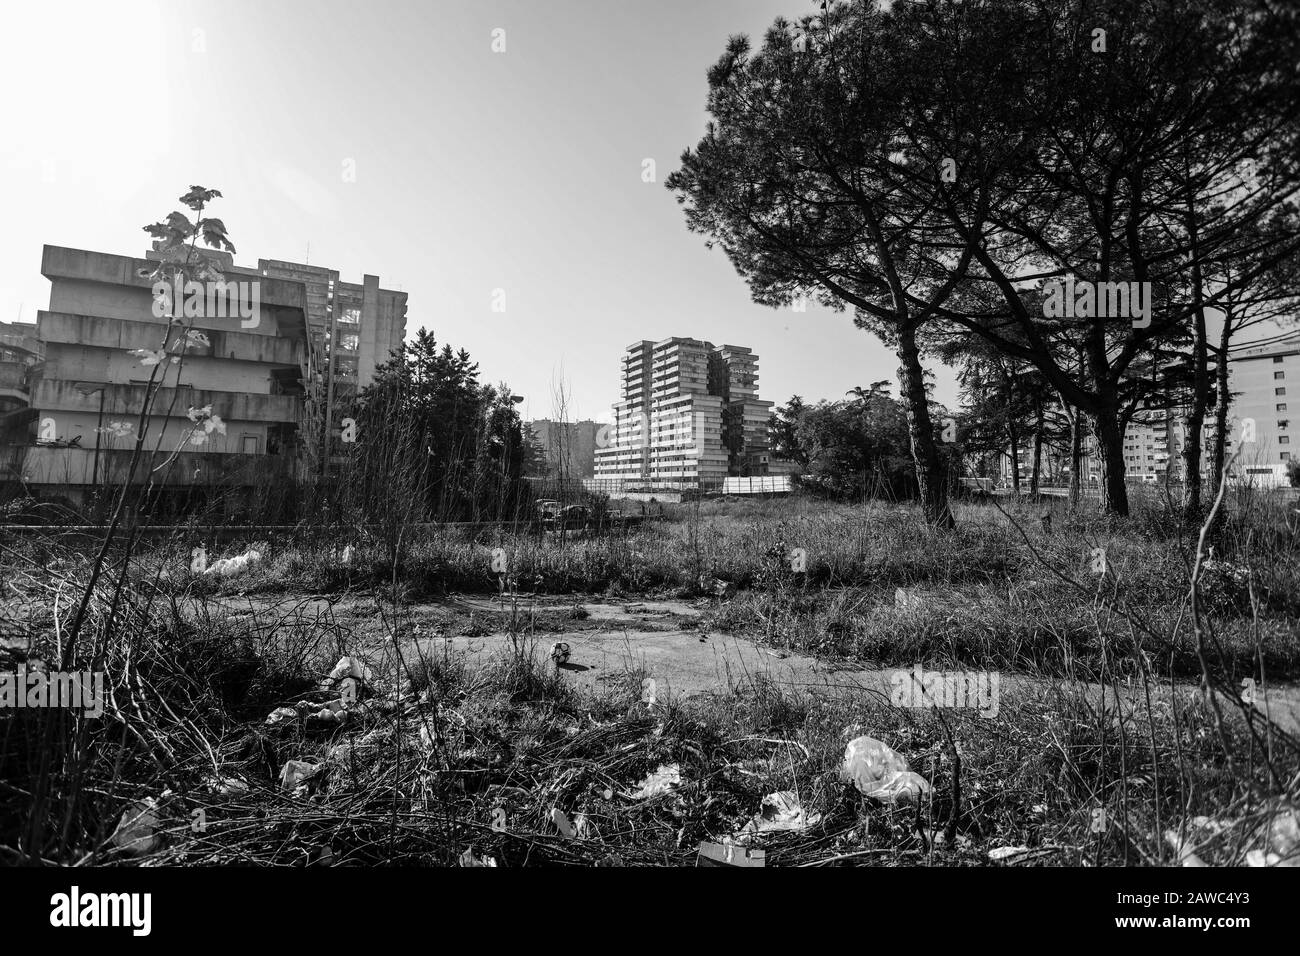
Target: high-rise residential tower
(689, 416)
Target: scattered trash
(780, 811)
(1003, 852)
(729, 854)
(136, 832)
(648, 692)
(1183, 850)
(296, 773)
(469, 859)
(281, 714)
(346, 558)
(225, 567)
(660, 782)
(328, 715)
(880, 772)
(575, 829)
(561, 652)
(352, 667)
(906, 599)
(1283, 838)
(220, 783)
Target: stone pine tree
(1152, 136)
(806, 180)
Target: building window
(1281, 406)
(1277, 360)
(1283, 423)
(1283, 440)
(1279, 391)
(1279, 375)
(249, 445)
(1286, 456)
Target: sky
(389, 138)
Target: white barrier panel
(762, 485)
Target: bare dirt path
(659, 639)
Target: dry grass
(442, 745)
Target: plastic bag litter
(469, 859)
(660, 782)
(353, 667)
(281, 714)
(561, 652)
(225, 567)
(1002, 852)
(223, 783)
(296, 773)
(136, 832)
(780, 811)
(1281, 842)
(906, 599)
(575, 829)
(729, 854)
(331, 713)
(880, 772)
(1284, 837)
(1184, 850)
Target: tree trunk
(1038, 448)
(1110, 448)
(1219, 455)
(925, 452)
(1196, 422)
(1015, 459)
(1076, 453)
(1200, 386)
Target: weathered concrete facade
(73, 417)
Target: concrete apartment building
(1258, 385)
(1264, 384)
(569, 448)
(358, 325)
(20, 351)
(1268, 382)
(689, 416)
(266, 376)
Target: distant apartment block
(569, 448)
(689, 415)
(20, 351)
(272, 378)
(354, 327)
(1264, 384)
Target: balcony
(58, 262)
(76, 466)
(68, 329)
(13, 380)
(57, 396)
